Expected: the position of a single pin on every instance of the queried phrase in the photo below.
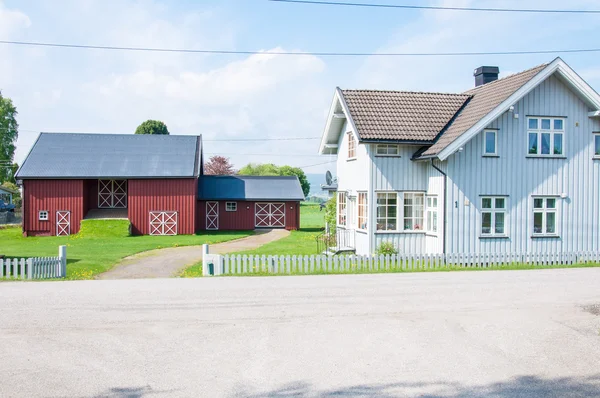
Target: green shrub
(386, 248)
(331, 213)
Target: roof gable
(70, 155)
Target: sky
(229, 97)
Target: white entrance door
(163, 223)
(112, 194)
(212, 215)
(269, 215)
(63, 223)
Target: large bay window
(545, 136)
(342, 202)
(362, 210)
(544, 216)
(493, 216)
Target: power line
(305, 53)
(415, 7)
(264, 139)
(263, 154)
(316, 164)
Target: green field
(99, 245)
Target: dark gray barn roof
(249, 188)
(69, 155)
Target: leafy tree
(269, 169)
(16, 196)
(331, 213)
(219, 166)
(9, 132)
(152, 127)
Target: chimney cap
(486, 69)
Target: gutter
(445, 204)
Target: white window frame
(231, 206)
(596, 145)
(342, 207)
(553, 133)
(386, 205)
(431, 222)
(494, 210)
(362, 206)
(383, 150)
(545, 210)
(485, 133)
(415, 218)
(352, 147)
(43, 215)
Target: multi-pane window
(413, 211)
(545, 136)
(387, 211)
(597, 145)
(432, 214)
(489, 144)
(362, 210)
(342, 198)
(493, 216)
(351, 146)
(387, 150)
(544, 216)
(230, 206)
(43, 215)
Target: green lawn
(99, 245)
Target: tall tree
(269, 169)
(219, 166)
(152, 127)
(9, 132)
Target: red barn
(155, 181)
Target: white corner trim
(556, 65)
(337, 98)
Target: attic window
(351, 146)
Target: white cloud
(12, 21)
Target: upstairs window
(387, 150)
(342, 197)
(545, 136)
(544, 216)
(489, 144)
(351, 146)
(362, 210)
(597, 145)
(493, 215)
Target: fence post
(62, 257)
(205, 270)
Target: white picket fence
(35, 267)
(214, 264)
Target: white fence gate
(244, 264)
(35, 267)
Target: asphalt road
(460, 334)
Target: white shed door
(212, 215)
(269, 215)
(63, 223)
(163, 223)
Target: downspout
(445, 203)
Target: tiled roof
(70, 155)
(401, 115)
(484, 99)
(264, 188)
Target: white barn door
(269, 215)
(212, 215)
(163, 223)
(63, 223)
(112, 194)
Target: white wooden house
(512, 165)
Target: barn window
(342, 196)
(231, 206)
(545, 136)
(362, 210)
(493, 216)
(351, 146)
(43, 215)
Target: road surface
(457, 334)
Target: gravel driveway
(164, 263)
(451, 334)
